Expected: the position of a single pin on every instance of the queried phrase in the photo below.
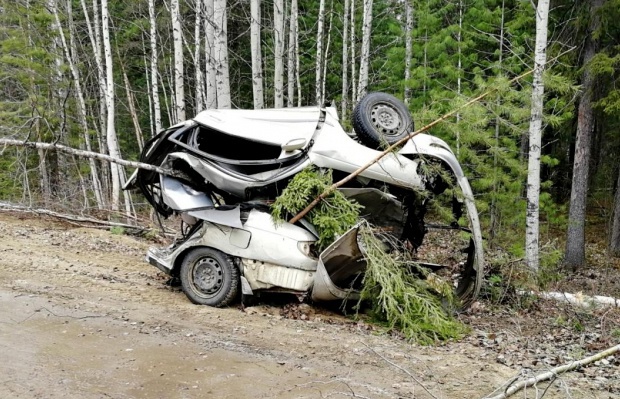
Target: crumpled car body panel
(244, 158)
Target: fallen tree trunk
(86, 154)
(579, 299)
(554, 372)
(72, 218)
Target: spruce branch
(402, 141)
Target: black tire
(209, 277)
(380, 119)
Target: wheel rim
(208, 276)
(386, 119)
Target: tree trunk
(177, 40)
(535, 131)
(319, 53)
(408, 47)
(154, 68)
(365, 52)
(614, 245)
(69, 55)
(257, 55)
(221, 54)
(132, 110)
(574, 256)
(278, 49)
(493, 210)
(352, 46)
(345, 59)
(112, 141)
(210, 55)
(291, 56)
(325, 62)
(199, 86)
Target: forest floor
(82, 315)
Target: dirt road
(83, 316)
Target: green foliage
(333, 216)
(398, 295)
(117, 230)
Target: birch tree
(408, 47)
(319, 53)
(154, 67)
(575, 239)
(177, 41)
(257, 57)
(81, 103)
(112, 140)
(345, 57)
(278, 49)
(614, 244)
(352, 46)
(199, 101)
(535, 133)
(365, 51)
(292, 55)
(221, 54)
(210, 55)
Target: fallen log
(71, 218)
(511, 389)
(578, 299)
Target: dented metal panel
(340, 267)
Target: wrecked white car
(230, 165)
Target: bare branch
(554, 372)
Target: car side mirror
(294, 144)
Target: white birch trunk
(352, 41)
(297, 68)
(319, 53)
(345, 59)
(614, 243)
(69, 55)
(329, 38)
(210, 55)
(221, 54)
(493, 211)
(154, 67)
(149, 92)
(291, 54)
(365, 52)
(408, 48)
(177, 41)
(278, 47)
(459, 66)
(535, 133)
(112, 141)
(199, 102)
(101, 74)
(257, 55)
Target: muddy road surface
(83, 316)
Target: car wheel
(380, 118)
(209, 277)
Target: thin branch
(554, 372)
(404, 370)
